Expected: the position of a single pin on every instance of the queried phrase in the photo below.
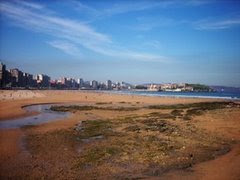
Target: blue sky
(195, 41)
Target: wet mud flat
(125, 147)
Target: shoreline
(170, 94)
(144, 93)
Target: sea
(216, 95)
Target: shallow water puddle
(46, 115)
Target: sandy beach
(202, 145)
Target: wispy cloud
(147, 24)
(66, 47)
(70, 35)
(153, 44)
(29, 4)
(126, 7)
(199, 2)
(217, 24)
(122, 7)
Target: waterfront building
(63, 81)
(102, 86)
(2, 74)
(94, 84)
(182, 85)
(86, 84)
(69, 82)
(118, 86)
(154, 87)
(73, 83)
(125, 85)
(109, 84)
(43, 80)
(80, 82)
(188, 88)
(8, 79)
(17, 78)
(28, 80)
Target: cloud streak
(147, 24)
(217, 24)
(122, 7)
(29, 4)
(69, 35)
(66, 47)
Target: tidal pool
(45, 115)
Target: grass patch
(194, 112)
(122, 102)
(186, 118)
(103, 103)
(159, 125)
(93, 128)
(127, 119)
(177, 112)
(161, 115)
(74, 108)
(97, 155)
(202, 105)
(177, 106)
(194, 109)
(133, 128)
(122, 109)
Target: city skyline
(137, 41)
(17, 79)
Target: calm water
(221, 95)
(46, 115)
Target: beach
(116, 136)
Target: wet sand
(225, 123)
(11, 107)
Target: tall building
(102, 86)
(2, 75)
(17, 77)
(73, 83)
(94, 84)
(109, 84)
(87, 84)
(8, 78)
(43, 80)
(80, 82)
(63, 80)
(28, 80)
(69, 82)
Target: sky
(144, 41)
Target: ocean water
(217, 95)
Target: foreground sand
(15, 154)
